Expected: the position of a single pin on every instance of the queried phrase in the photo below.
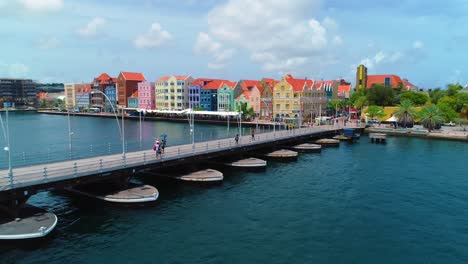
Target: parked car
(373, 121)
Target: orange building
(127, 85)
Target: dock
(248, 163)
(130, 195)
(377, 137)
(31, 223)
(328, 142)
(307, 147)
(208, 175)
(282, 154)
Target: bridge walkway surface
(50, 173)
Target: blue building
(110, 92)
(194, 92)
(82, 100)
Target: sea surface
(402, 202)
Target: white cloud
(48, 43)
(155, 37)
(379, 57)
(418, 44)
(330, 24)
(91, 29)
(206, 45)
(337, 40)
(277, 34)
(41, 5)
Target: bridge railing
(57, 171)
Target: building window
(287, 106)
(277, 106)
(387, 81)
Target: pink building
(146, 98)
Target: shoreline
(463, 136)
(153, 118)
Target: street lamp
(7, 147)
(121, 128)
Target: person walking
(236, 138)
(157, 148)
(253, 134)
(163, 144)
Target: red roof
(380, 79)
(229, 84)
(407, 85)
(214, 84)
(298, 84)
(83, 88)
(133, 76)
(344, 88)
(201, 81)
(251, 83)
(325, 85)
(182, 77)
(162, 79)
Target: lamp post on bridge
(121, 128)
(7, 147)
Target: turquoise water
(403, 202)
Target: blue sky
(74, 41)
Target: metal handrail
(26, 176)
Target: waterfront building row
(269, 98)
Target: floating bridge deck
(30, 179)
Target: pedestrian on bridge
(157, 148)
(237, 139)
(253, 134)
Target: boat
(31, 223)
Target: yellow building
(172, 92)
(299, 98)
(70, 95)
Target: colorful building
(209, 95)
(172, 93)
(100, 83)
(344, 90)
(250, 94)
(363, 80)
(70, 95)
(127, 85)
(266, 98)
(82, 95)
(301, 98)
(226, 96)
(111, 102)
(195, 92)
(146, 99)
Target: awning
(392, 119)
(189, 111)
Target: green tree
(382, 95)
(247, 112)
(436, 95)
(447, 111)
(452, 89)
(461, 101)
(406, 113)
(360, 102)
(415, 97)
(335, 103)
(431, 117)
(375, 111)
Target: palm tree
(247, 112)
(406, 114)
(431, 117)
(360, 102)
(375, 111)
